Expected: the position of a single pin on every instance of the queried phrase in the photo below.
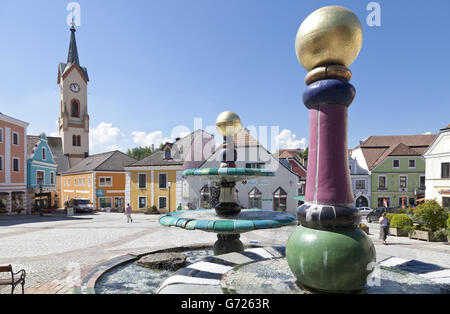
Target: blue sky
(158, 64)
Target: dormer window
(167, 154)
(44, 156)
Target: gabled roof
(244, 139)
(110, 161)
(62, 161)
(377, 148)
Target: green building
(396, 168)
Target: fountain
(228, 219)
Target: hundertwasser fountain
(228, 219)
(329, 251)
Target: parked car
(365, 210)
(375, 215)
(80, 205)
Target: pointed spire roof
(72, 57)
(73, 50)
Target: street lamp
(169, 185)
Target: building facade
(157, 181)
(293, 160)
(437, 173)
(270, 193)
(41, 173)
(396, 167)
(13, 165)
(361, 183)
(99, 178)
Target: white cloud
(427, 133)
(288, 140)
(157, 138)
(105, 138)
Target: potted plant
(364, 228)
(400, 225)
(152, 211)
(432, 217)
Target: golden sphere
(330, 35)
(228, 123)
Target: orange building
(99, 178)
(13, 165)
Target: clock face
(75, 87)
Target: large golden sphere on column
(330, 35)
(228, 123)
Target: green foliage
(442, 235)
(152, 210)
(402, 221)
(432, 215)
(140, 153)
(390, 217)
(410, 211)
(448, 222)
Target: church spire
(73, 51)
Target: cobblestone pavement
(57, 251)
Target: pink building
(13, 165)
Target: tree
(140, 152)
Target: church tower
(74, 118)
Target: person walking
(384, 227)
(128, 212)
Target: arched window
(280, 200)
(75, 111)
(79, 140)
(255, 199)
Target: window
(167, 154)
(1, 135)
(403, 181)
(40, 177)
(142, 181)
(84, 181)
(89, 181)
(445, 170)
(142, 202)
(446, 202)
(381, 182)
(360, 184)
(15, 138)
(412, 163)
(75, 109)
(422, 183)
(396, 163)
(256, 165)
(75, 182)
(44, 157)
(162, 202)
(384, 202)
(68, 182)
(105, 181)
(255, 199)
(163, 181)
(16, 164)
(52, 178)
(76, 140)
(403, 202)
(280, 200)
(79, 182)
(1, 163)
(105, 202)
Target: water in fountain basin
(134, 279)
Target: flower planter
(398, 232)
(422, 235)
(365, 229)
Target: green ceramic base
(331, 261)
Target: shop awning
(299, 198)
(420, 200)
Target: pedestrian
(128, 212)
(384, 227)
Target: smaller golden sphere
(228, 123)
(330, 35)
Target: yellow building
(157, 181)
(99, 178)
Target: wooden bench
(13, 281)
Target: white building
(270, 193)
(360, 181)
(437, 169)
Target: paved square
(57, 251)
